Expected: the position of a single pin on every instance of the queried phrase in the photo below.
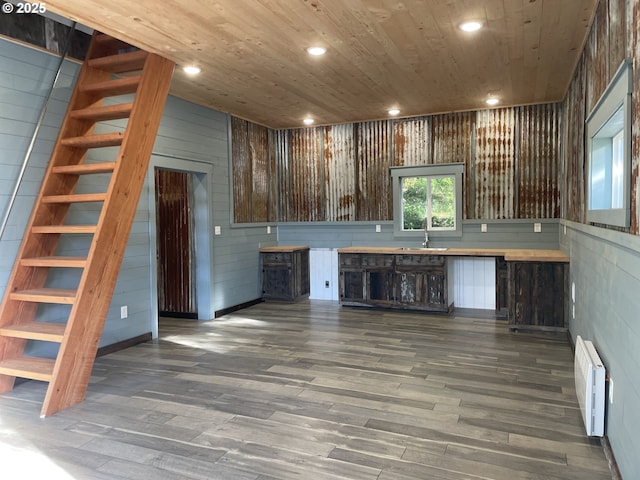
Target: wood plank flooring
(315, 391)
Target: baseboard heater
(590, 380)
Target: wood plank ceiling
(407, 54)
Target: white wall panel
(475, 282)
(323, 266)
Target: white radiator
(590, 377)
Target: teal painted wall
(188, 132)
(605, 272)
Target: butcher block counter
(509, 254)
(530, 283)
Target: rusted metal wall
(241, 171)
(174, 221)
(492, 173)
(452, 137)
(634, 53)
(340, 173)
(615, 35)
(573, 169)
(306, 177)
(373, 177)
(537, 161)
(412, 142)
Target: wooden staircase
(111, 68)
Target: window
(428, 196)
(608, 150)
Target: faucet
(425, 224)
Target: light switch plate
(537, 227)
(216, 230)
(378, 229)
(483, 228)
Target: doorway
(175, 244)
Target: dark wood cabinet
(285, 273)
(404, 281)
(536, 295)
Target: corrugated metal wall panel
(452, 137)
(537, 161)
(305, 164)
(494, 166)
(282, 174)
(241, 170)
(412, 142)
(259, 150)
(373, 190)
(597, 53)
(340, 173)
(573, 148)
(635, 99)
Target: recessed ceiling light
(191, 70)
(470, 26)
(394, 111)
(308, 121)
(316, 51)
(492, 101)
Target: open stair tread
(120, 62)
(58, 261)
(85, 168)
(109, 88)
(55, 229)
(45, 331)
(45, 295)
(28, 367)
(102, 113)
(95, 141)
(75, 198)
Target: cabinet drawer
(276, 257)
(377, 260)
(408, 260)
(350, 259)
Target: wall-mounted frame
(609, 153)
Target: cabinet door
(380, 287)
(352, 286)
(536, 296)
(421, 289)
(276, 283)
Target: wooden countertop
(283, 248)
(509, 254)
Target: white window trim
(617, 94)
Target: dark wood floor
(314, 391)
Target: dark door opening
(175, 244)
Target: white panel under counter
(474, 282)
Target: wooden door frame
(202, 189)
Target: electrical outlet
(326, 284)
(217, 230)
(268, 229)
(537, 227)
(483, 228)
(378, 229)
(124, 311)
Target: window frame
(616, 97)
(454, 170)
